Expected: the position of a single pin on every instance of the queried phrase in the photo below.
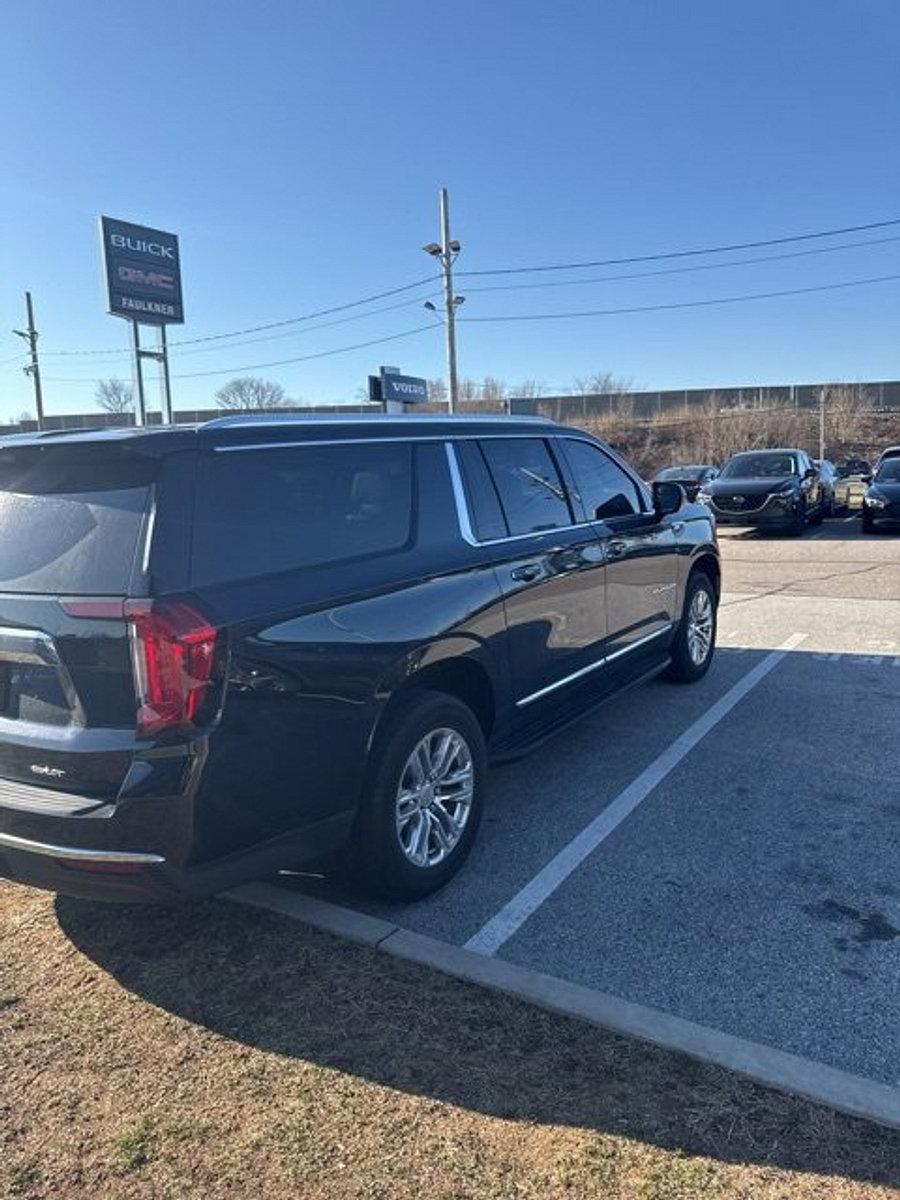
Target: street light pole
(447, 252)
(447, 256)
(30, 334)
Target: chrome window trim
(464, 516)
(75, 853)
(601, 662)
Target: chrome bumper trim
(76, 854)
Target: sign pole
(140, 416)
(164, 376)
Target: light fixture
(433, 249)
(458, 300)
(430, 306)
(454, 246)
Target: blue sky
(297, 149)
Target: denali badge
(50, 772)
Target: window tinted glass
(528, 483)
(605, 490)
(760, 466)
(677, 473)
(484, 503)
(71, 518)
(264, 511)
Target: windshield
(889, 471)
(679, 473)
(760, 466)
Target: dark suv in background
(231, 648)
(771, 489)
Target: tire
(685, 666)
(383, 850)
(868, 525)
(798, 523)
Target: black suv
(231, 648)
(771, 489)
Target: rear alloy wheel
(695, 643)
(424, 799)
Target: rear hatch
(75, 520)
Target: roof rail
(295, 418)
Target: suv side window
(605, 489)
(262, 511)
(485, 512)
(529, 485)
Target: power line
(284, 361)
(278, 336)
(608, 312)
(216, 337)
(717, 266)
(636, 258)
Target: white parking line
(516, 912)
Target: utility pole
(821, 423)
(447, 252)
(33, 369)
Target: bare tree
(437, 391)
(251, 394)
(114, 395)
(529, 389)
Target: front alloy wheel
(700, 626)
(695, 642)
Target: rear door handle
(528, 572)
(616, 548)
(678, 527)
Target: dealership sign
(404, 387)
(143, 273)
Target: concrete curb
(847, 1093)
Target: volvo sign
(405, 388)
(143, 273)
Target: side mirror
(667, 498)
(810, 473)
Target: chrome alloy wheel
(434, 797)
(700, 627)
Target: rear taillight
(173, 655)
(173, 649)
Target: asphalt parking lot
(726, 853)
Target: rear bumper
(52, 862)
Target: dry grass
(217, 1052)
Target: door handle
(678, 527)
(528, 572)
(616, 548)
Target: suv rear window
(264, 511)
(71, 517)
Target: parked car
(836, 491)
(890, 452)
(881, 502)
(692, 478)
(853, 466)
(771, 489)
(231, 648)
